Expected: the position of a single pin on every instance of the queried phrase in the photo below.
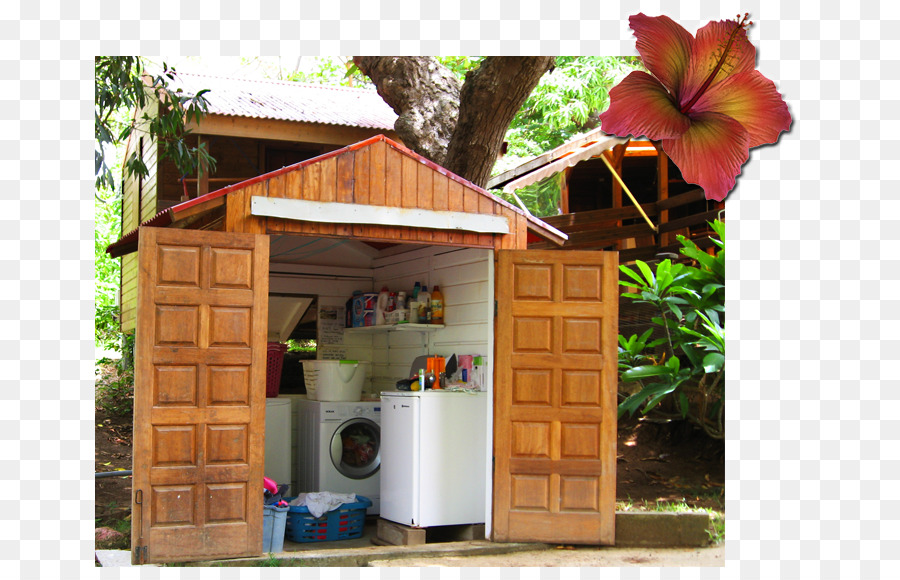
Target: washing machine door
(356, 448)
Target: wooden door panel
(200, 357)
(555, 400)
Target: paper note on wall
(331, 326)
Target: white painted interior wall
(466, 279)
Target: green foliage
(460, 65)
(566, 102)
(328, 70)
(301, 345)
(122, 83)
(540, 198)
(631, 351)
(691, 368)
(114, 387)
(107, 220)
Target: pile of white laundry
(319, 502)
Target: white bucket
(334, 380)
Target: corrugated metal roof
(290, 101)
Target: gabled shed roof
(376, 172)
(290, 101)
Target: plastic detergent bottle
(381, 305)
(424, 304)
(437, 306)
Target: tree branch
(425, 96)
(489, 99)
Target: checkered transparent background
(813, 268)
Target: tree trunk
(423, 93)
(428, 99)
(490, 98)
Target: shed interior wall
(466, 279)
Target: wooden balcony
(624, 229)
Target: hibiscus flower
(704, 99)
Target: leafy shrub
(688, 364)
(114, 386)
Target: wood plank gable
(375, 172)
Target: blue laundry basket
(343, 523)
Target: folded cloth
(319, 502)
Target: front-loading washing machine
(339, 448)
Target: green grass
(716, 529)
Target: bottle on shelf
(437, 306)
(419, 383)
(381, 306)
(424, 304)
(392, 302)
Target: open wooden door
(199, 397)
(555, 380)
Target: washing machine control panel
(349, 410)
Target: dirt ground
(575, 557)
(657, 462)
(112, 452)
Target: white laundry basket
(334, 380)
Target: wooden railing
(624, 229)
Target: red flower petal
(639, 105)
(665, 48)
(707, 50)
(753, 101)
(710, 153)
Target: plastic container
(344, 523)
(274, 362)
(381, 306)
(334, 380)
(437, 306)
(424, 304)
(364, 309)
(397, 316)
(274, 524)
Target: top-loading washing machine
(339, 448)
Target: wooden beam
(350, 213)
(203, 170)
(277, 130)
(662, 190)
(691, 220)
(681, 199)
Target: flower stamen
(742, 24)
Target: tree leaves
(690, 301)
(124, 92)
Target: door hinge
(140, 555)
(495, 309)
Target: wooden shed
(364, 216)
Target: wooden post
(202, 169)
(614, 156)
(662, 164)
